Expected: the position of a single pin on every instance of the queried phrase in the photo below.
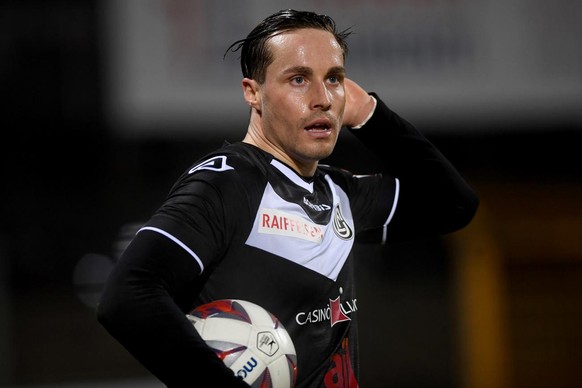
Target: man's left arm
(433, 197)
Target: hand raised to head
(359, 104)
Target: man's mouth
(322, 125)
(318, 128)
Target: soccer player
(262, 220)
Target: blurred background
(107, 102)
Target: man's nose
(321, 96)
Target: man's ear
(252, 95)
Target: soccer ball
(249, 340)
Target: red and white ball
(249, 340)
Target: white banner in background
(441, 62)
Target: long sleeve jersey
(240, 224)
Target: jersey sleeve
(373, 199)
(155, 282)
(194, 217)
(430, 196)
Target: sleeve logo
(217, 163)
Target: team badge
(340, 226)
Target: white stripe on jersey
(394, 203)
(292, 175)
(180, 243)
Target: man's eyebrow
(308, 70)
(299, 70)
(337, 70)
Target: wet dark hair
(256, 57)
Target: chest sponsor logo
(272, 221)
(335, 312)
(340, 226)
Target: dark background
(72, 189)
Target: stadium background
(105, 103)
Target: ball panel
(284, 340)
(228, 352)
(264, 380)
(282, 371)
(292, 365)
(258, 316)
(224, 309)
(226, 330)
(249, 366)
(250, 340)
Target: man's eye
(334, 79)
(298, 80)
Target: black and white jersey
(241, 224)
(280, 241)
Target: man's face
(303, 97)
